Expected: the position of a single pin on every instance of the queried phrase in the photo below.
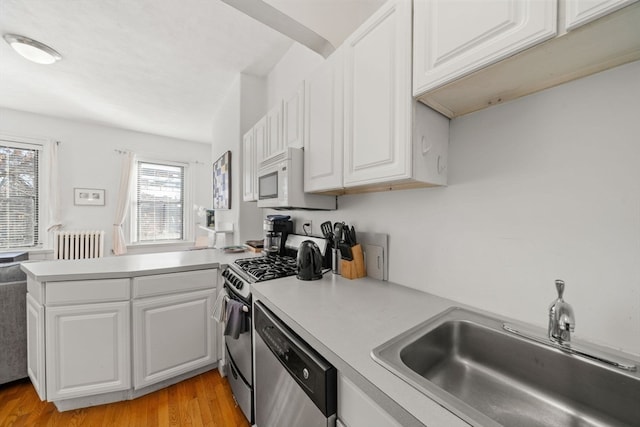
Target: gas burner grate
(268, 267)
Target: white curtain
(122, 207)
(55, 223)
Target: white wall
(541, 188)
(88, 160)
(297, 63)
(242, 107)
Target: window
(158, 206)
(19, 194)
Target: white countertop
(342, 319)
(345, 319)
(129, 265)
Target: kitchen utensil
(354, 239)
(337, 232)
(346, 235)
(335, 261)
(345, 251)
(326, 229)
(309, 261)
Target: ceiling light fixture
(32, 50)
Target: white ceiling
(154, 66)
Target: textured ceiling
(154, 66)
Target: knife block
(354, 269)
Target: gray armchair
(13, 322)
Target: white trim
(187, 217)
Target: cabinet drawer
(164, 284)
(87, 291)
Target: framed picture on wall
(88, 197)
(222, 182)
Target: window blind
(160, 202)
(18, 196)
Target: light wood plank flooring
(204, 400)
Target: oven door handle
(244, 307)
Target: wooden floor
(205, 400)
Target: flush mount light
(32, 50)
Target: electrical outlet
(307, 226)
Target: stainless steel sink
(489, 376)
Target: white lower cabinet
(80, 333)
(356, 409)
(173, 335)
(35, 346)
(87, 349)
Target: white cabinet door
(323, 128)
(275, 140)
(293, 119)
(88, 349)
(249, 167)
(261, 140)
(378, 98)
(35, 346)
(453, 38)
(356, 409)
(172, 335)
(579, 12)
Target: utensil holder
(354, 269)
(335, 261)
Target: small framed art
(88, 197)
(222, 182)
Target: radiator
(78, 244)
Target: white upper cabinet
(249, 167)
(268, 135)
(323, 130)
(453, 38)
(377, 98)
(275, 140)
(261, 137)
(293, 118)
(579, 12)
(470, 55)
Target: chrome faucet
(561, 320)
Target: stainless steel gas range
(239, 277)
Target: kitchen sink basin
(477, 367)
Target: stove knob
(240, 284)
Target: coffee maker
(276, 228)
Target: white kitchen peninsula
(109, 329)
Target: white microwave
(281, 184)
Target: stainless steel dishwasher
(294, 385)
